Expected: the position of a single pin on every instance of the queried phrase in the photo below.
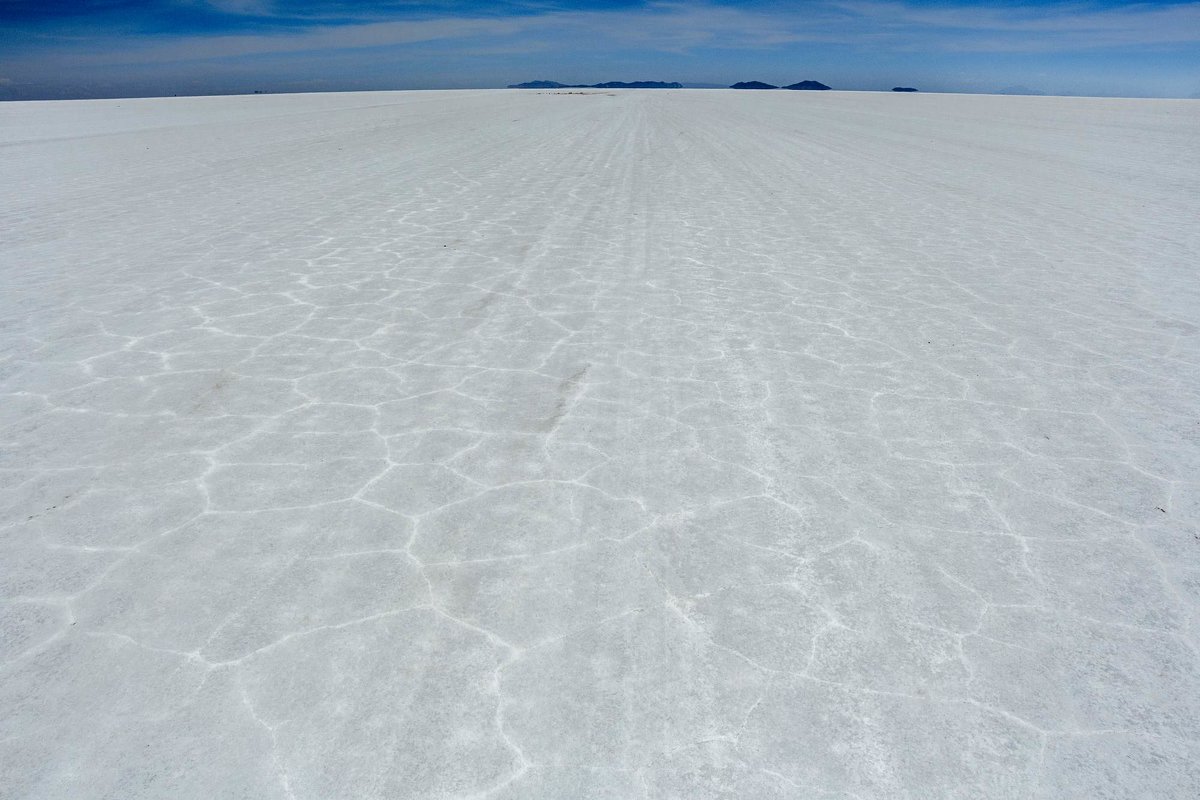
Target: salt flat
(672, 444)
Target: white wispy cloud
(666, 27)
(1070, 26)
(678, 27)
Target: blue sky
(104, 48)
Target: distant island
(809, 86)
(903, 89)
(1019, 90)
(605, 85)
(812, 86)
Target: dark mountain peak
(1019, 90)
(538, 85)
(605, 85)
(812, 86)
(903, 89)
(638, 85)
(753, 85)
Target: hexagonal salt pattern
(663, 444)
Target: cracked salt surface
(628, 445)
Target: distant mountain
(606, 85)
(638, 85)
(903, 89)
(1019, 90)
(753, 85)
(812, 86)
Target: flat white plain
(655, 444)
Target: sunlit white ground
(607, 445)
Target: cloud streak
(1021, 29)
(243, 30)
(680, 27)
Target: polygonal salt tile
(27, 625)
(505, 458)
(667, 482)
(361, 386)
(316, 592)
(1053, 669)
(524, 519)
(348, 722)
(1114, 764)
(251, 487)
(121, 517)
(1110, 580)
(419, 488)
(626, 693)
(529, 600)
(882, 745)
(772, 625)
